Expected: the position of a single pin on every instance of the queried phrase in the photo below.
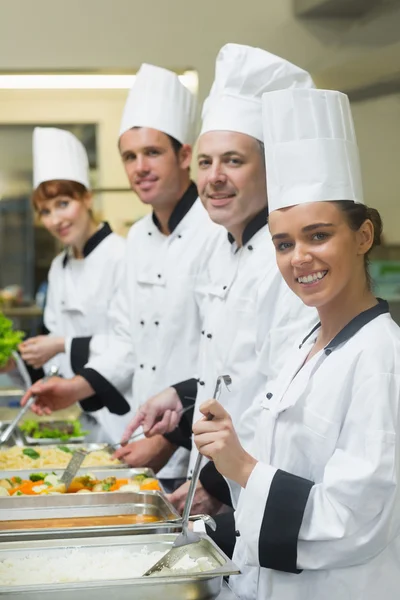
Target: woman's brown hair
(48, 190)
(356, 214)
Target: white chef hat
(242, 75)
(58, 154)
(160, 101)
(310, 148)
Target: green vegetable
(140, 477)
(37, 476)
(17, 479)
(106, 487)
(18, 493)
(31, 453)
(9, 339)
(65, 449)
(60, 431)
(10, 482)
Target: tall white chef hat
(58, 154)
(310, 148)
(242, 75)
(160, 101)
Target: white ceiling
(121, 34)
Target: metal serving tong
(10, 429)
(187, 538)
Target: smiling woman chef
(319, 511)
(85, 276)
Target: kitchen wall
(102, 35)
(377, 125)
(102, 107)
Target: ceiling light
(92, 81)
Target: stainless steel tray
(72, 506)
(122, 472)
(31, 441)
(72, 447)
(202, 586)
(15, 439)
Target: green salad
(60, 430)
(9, 339)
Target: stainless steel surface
(64, 506)
(202, 586)
(15, 438)
(206, 519)
(186, 537)
(9, 430)
(73, 467)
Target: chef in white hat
(156, 318)
(251, 318)
(319, 512)
(85, 276)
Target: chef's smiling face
(67, 219)
(320, 257)
(154, 168)
(231, 178)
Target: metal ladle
(186, 538)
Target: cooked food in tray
(79, 564)
(45, 432)
(40, 484)
(57, 457)
(79, 522)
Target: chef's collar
(92, 243)
(252, 227)
(181, 209)
(353, 327)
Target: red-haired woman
(84, 277)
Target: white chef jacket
(156, 318)
(324, 498)
(251, 321)
(77, 307)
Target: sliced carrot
(150, 485)
(26, 487)
(119, 483)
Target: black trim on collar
(357, 323)
(353, 326)
(252, 227)
(92, 242)
(181, 209)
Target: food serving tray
(190, 586)
(15, 438)
(102, 473)
(72, 447)
(38, 517)
(122, 472)
(51, 425)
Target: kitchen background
(351, 45)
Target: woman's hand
(217, 440)
(37, 351)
